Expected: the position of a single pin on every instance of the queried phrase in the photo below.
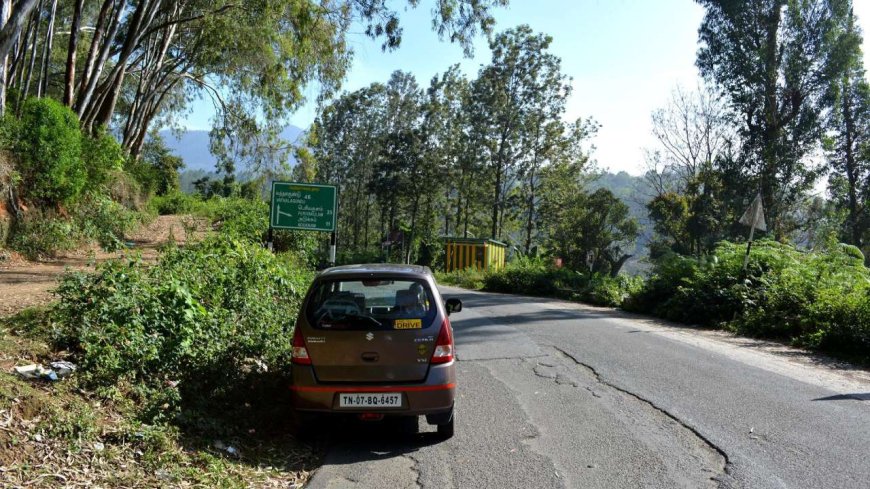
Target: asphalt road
(555, 394)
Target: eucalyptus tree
(848, 142)
(146, 60)
(445, 121)
(503, 106)
(345, 140)
(773, 59)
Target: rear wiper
(360, 316)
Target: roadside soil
(25, 283)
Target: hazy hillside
(193, 147)
(635, 192)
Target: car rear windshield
(371, 304)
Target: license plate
(381, 400)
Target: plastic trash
(63, 368)
(33, 371)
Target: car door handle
(370, 357)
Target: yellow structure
(482, 254)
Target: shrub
(184, 330)
(469, 278)
(49, 148)
(101, 156)
(537, 277)
(40, 234)
(817, 299)
(98, 218)
(175, 203)
(105, 221)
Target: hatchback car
(375, 341)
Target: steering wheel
(330, 308)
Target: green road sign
(304, 206)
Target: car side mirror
(453, 305)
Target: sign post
(754, 218)
(305, 207)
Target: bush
(105, 221)
(537, 277)
(40, 234)
(469, 278)
(50, 148)
(817, 299)
(185, 330)
(43, 234)
(101, 156)
(175, 203)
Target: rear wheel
(445, 430)
(304, 425)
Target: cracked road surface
(556, 394)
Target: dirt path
(26, 283)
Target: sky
(624, 56)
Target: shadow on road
(846, 397)
(361, 441)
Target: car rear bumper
(436, 395)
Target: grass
(60, 434)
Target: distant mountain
(193, 147)
(635, 192)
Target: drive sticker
(408, 324)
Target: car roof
(369, 269)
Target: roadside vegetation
(181, 368)
(813, 299)
(182, 359)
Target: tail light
(444, 345)
(299, 353)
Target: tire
(305, 425)
(445, 430)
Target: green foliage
(469, 278)
(818, 299)
(184, 330)
(40, 234)
(105, 221)
(50, 149)
(175, 203)
(43, 234)
(776, 87)
(590, 231)
(537, 277)
(101, 155)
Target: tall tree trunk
(17, 17)
(103, 20)
(142, 18)
(851, 166)
(447, 211)
(17, 68)
(70, 79)
(368, 216)
(530, 222)
(33, 49)
(496, 205)
(42, 88)
(465, 229)
(5, 12)
(86, 90)
(771, 133)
